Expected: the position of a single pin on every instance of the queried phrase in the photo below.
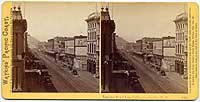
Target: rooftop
(182, 16)
(94, 15)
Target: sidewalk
(176, 78)
(172, 82)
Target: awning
(62, 54)
(52, 52)
(140, 53)
(150, 55)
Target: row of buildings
(79, 52)
(166, 53)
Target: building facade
(69, 53)
(168, 62)
(156, 60)
(138, 46)
(164, 54)
(76, 52)
(181, 23)
(130, 46)
(19, 48)
(58, 44)
(147, 44)
(93, 30)
(80, 51)
(50, 44)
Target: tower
(18, 43)
(107, 48)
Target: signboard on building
(157, 47)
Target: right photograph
(144, 48)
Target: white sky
(47, 20)
(137, 20)
(133, 20)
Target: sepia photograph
(72, 50)
(144, 48)
(55, 47)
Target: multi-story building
(69, 52)
(147, 44)
(168, 49)
(58, 44)
(156, 60)
(50, 44)
(138, 46)
(93, 30)
(19, 48)
(181, 23)
(164, 54)
(80, 52)
(69, 46)
(76, 52)
(130, 46)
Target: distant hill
(120, 42)
(32, 42)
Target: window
(87, 47)
(176, 48)
(94, 48)
(95, 35)
(91, 35)
(16, 43)
(90, 47)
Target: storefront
(91, 66)
(179, 67)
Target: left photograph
(55, 47)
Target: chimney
(102, 8)
(106, 9)
(14, 8)
(19, 9)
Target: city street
(64, 80)
(153, 82)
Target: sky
(46, 20)
(136, 20)
(133, 20)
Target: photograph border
(192, 66)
